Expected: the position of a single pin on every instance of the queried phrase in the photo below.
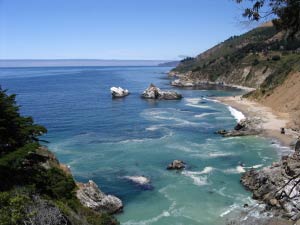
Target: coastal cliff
(261, 59)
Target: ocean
(115, 141)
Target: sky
(114, 29)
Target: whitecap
(199, 106)
(206, 170)
(153, 128)
(212, 100)
(203, 115)
(230, 209)
(193, 100)
(237, 170)
(236, 114)
(198, 180)
(138, 179)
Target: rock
(92, 197)
(118, 92)
(222, 132)
(245, 127)
(277, 185)
(176, 165)
(153, 92)
(297, 146)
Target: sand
(271, 121)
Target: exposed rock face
(118, 92)
(248, 126)
(153, 92)
(277, 185)
(43, 212)
(297, 146)
(176, 165)
(91, 196)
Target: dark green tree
(287, 13)
(15, 130)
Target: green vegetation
(287, 13)
(33, 188)
(260, 58)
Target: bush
(276, 57)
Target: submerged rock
(176, 165)
(153, 92)
(118, 92)
(92, 197)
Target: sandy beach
(271, 121)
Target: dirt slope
(286, 98)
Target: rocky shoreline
(278, 186)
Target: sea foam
(236, 114)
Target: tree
(287, 13)
(15, 130)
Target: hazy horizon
(77, 62)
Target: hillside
(261, 58)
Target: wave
(236, 114)
(206, 170)
(138, 179)
(203, 115)
(153, 128)
(237, 170)
(199, 180)
(193, 100)
(199, 106)
(231, 208)
(212, 155)
(212, 100)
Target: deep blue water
(107, 139)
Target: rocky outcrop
(92, 197)
(153, 92)
(297, 146)
(118, 92)
(176, 165)
(248, 126)
(278, 186)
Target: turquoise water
(107, 140)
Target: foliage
(15, 130)
(33, 187)
(286, 11)
(13, 207)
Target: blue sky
(114, 29)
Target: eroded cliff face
(286, 98)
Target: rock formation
(153, 92)
(278, 186)
(92, 197)
(118, 92)
(248, 126)
(176, 165)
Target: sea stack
(118, 92)
(153, 92)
